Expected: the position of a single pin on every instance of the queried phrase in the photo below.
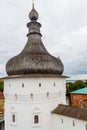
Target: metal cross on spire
(33, 4)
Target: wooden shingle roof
(69, 111)
(34, 59)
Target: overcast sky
(64, 30)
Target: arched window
(36, 119)
(13, 116)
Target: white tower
(35, 84)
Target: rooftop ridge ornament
(33, 15)
(33, 4)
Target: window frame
(37, 113)
(13, 117)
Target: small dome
(33, 15)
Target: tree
(79, 84)
(69, 87)
(86, 83)
(75, 86)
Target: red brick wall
(1, 95)
(77, 99)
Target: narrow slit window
(62, 121)
(73, 123)
(13, 118)
(54, 84)
(36, 119)
(22, 84)
(39, 84)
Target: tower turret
(34, 85)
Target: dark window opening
(36, 119)
(31, 95)
(73, 123)
(13, 118)
(62, 121)
(39, 84)
(22, 84)
(47, 94)
(54, 84)
(9, 85)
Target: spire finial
(33, 15)
(33, 4)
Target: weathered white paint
(25, 97)
(66, 123)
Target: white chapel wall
(29, 97)
(66, 123)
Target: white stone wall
(26, 97)
(66, 123)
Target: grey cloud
(64, 30)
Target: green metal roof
(80, 91)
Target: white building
(35, 87)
